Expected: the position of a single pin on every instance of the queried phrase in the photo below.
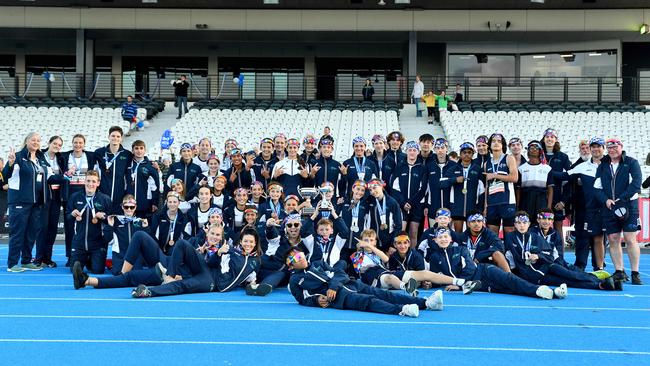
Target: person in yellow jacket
(432, 112)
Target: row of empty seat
(153, 107)
(93, 123)
(297, 104)
(572, 127)
(552, 107)
(249, 126)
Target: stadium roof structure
(337, 4)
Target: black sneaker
(608, 284)
(179, 117)
(261, 289)
(78, 276)
(620, 276)
(141, 291)
(411, 287)
(618, 285)
(67, 263)
(636, 278)
(49, 264)
(470, 286)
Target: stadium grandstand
(370, 152)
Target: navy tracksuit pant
(133, 278)
(494, 279)
(25, 225)
(359, 296)
(197, 275)
(94, 260)
(557, 275)
(46, 240)
(142, 250)
(274, 278)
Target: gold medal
(94, 220)
(464, 191)
(383, 226)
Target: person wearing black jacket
(112, 163)
(167, 225)
(320, 285)
(368, 91)
(180, 91)
(28, 173)
(45, 242)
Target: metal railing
(342, 86)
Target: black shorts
(504, 213)
(372, 275)
(632, 224)
(416, 214)
(593, 224)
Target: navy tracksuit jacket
(393, 219)
(307, 285)
(143, 182)
(486, 244)
(113, 170)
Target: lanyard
(89, 202)
(275, 208)
(134, 168)
(355, 209)
(172, 226)
(361, 169)
(109, 163)
(381, 207)
(525, 247)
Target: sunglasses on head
(293, 224)
(522, 219)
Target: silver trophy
(324, 203)
(308, 193)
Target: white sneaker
(434, 302)
(410, 310)
(544, 292)
(561, 291)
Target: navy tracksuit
(71, 187)
(544, 271)
(412, 261)
(88, 243)
(268, 208)
(369, 171)
(360, 209)
(385, 166)
(559, 163)
(410, 186)
(328, 172)
(243, 179)
(586, 208)
(164, 229)
(393, 221)
(233, 268)
(113, 170)
(465, 196)
(143, 182)
(46, 240)
(624, 185)
(28, 197)
(192, 216)
(426, 242)
(397, 156)
(485, 245)
(273, 270)
(307, 285)
(441, 183)
(188, 173)
(121, 234)
(229, 218)
(258, 165)
(456, 261)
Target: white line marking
(30, 285)
(329, 345)
(293, 302)
(336, 321)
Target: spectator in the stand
(326, 132)
(180, 91)
(368, 91)
(458, 97)
(432, 111)
(444, 102)
(416, 95)
(129, 111)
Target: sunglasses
(293, 224)
(128, 207)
